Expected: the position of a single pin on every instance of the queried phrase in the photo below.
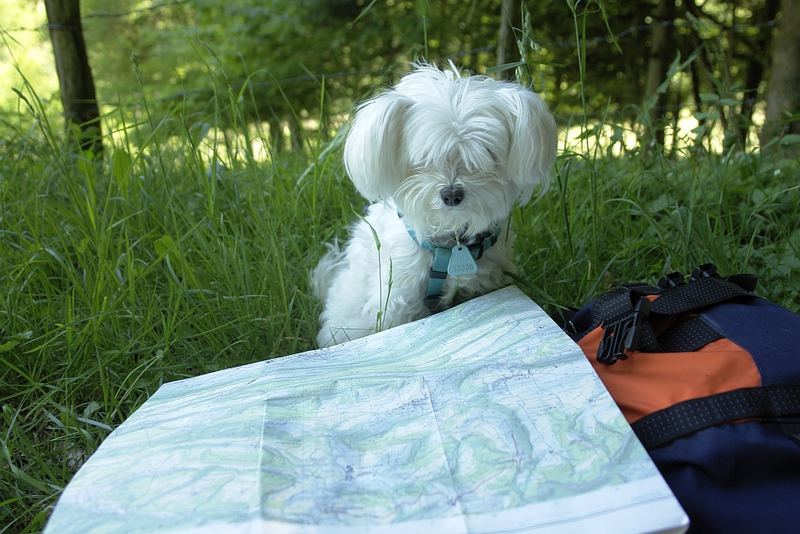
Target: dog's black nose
(452, 195)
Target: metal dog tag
(461, 262)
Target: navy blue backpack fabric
(731, 455)
(742, 477)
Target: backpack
(708, 375)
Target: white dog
(444, 157)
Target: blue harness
(457, 260)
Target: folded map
(485, 418)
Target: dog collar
(454, 260)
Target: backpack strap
(632, 322)
(687, 335)
(699, 292)
(771, 403)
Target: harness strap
(441, 259)
(438, 274)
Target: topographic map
(485, 418)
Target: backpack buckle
(623, 334)
(707, 270)
(671, 280)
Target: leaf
(8, 345)
(15, 340)
(374, 234)
(659, 204)
(93, 422)
(91, 408)
(790, 139)
(121, 168)
(199, 130)
(364, 11)
(758, 196)
(165, 245)
(703, 115)
(85, 165)
(505, 66)
(674, 67)
(709, 98)
(168, 249)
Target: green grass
(159, 265)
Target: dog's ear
(534, 139)
(374, 153)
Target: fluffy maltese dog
(444, 158)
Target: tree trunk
(697, 89)
(74, 74)
(661, 48)
(678, 102)
(783, 96)
(507, 48)
(754, 72)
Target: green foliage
(117, 277)
(276, 57)
(176, 258)
(188, 249)
(652, 219)
(273, 56)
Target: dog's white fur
(435, 128)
